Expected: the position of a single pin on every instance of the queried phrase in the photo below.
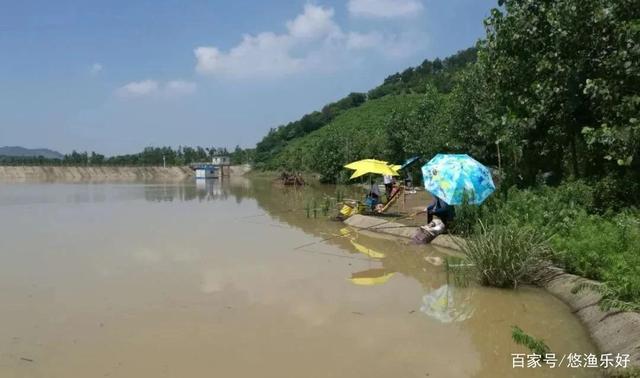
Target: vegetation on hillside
(355, 134)
(414, 80)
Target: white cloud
(313, 40)
(138, 88)
(149, 88)
(384, 8)
(315, 22)
(180, 87)
(95, 68)
(266, 54)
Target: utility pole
(164, 162)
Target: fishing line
(268, 213)
(335, 255)
(268, 224)
(355, 230)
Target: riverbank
(103, 173)
(613, 331)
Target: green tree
(564, 75)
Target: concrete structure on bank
(613, 331)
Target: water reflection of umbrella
(361, 248)
(451, 176)
(367, 251)
(441, 305)
(370, 277)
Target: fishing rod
(355, 230)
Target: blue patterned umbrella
(449, 176)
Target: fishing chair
(395, 194)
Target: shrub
(605, 248)
(466, 218)
(506, 256)
(614, 192)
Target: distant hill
(16, 151)
(440, 73)
(354, 134)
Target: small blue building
(206, 170)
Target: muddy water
(178, 280)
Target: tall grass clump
(506, 256)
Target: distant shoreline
(101, 173)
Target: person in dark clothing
(441, 209)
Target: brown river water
(183, 280)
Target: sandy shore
(45, 173)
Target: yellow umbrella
(361, 163)
(365, 166)
(371, 277)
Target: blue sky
(116, 76)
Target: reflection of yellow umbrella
(361, 248)
(371, 277)
(345, 231)
(368, 251)
(365, 166)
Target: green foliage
(150, 156)
(605, 248)
(609, 299)
(506, 256)
(438, 73)
(242, 156)
(466, 218)
(537, 346)
(565, 76)
(420, 131)
(356, 134)
(276, 140)
(587, 240)
(431, 78)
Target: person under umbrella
(453, 179)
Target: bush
(613, 192)
(506, 256)
(605, 249)
(601, 246)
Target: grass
(506, 256)
(568, 224)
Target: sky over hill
(117, 76)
